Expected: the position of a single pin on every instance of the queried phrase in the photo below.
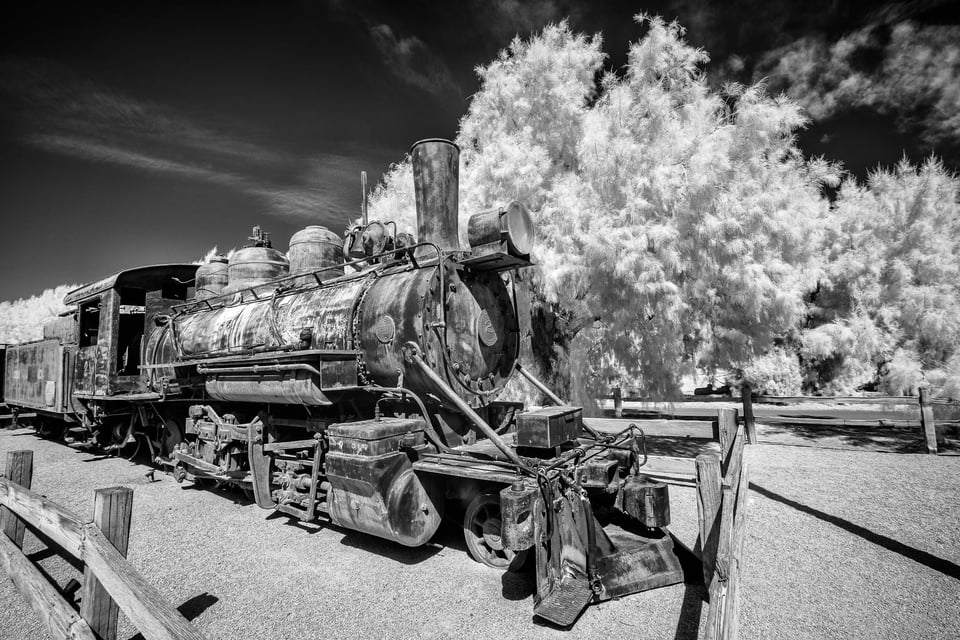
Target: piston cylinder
(436, 182)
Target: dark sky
(145, 132)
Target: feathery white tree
(676, 226)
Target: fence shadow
(936, 563)
(881, 439)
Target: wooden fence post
(746, 394)
(934, 436)
(19, 469)
(727, 421)
(618, 402)
(112, 509)
(708, 511)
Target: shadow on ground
(927, 559)
(191, 609)
(868, 438)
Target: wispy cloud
(906, 70)
(60, 112)
(410, 60)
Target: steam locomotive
(356, 379)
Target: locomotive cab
(114, 315)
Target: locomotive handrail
(279, 282)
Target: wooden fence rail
(110, 584)
(934, 431)
(720, 427)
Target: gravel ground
(848, 537)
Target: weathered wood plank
(138, 599)
(60, 619)
(839, 422)
(670, 465)
(731, 617)
(112, 509)
(727, 421)
(746, 396)
(731, 466)
(708, 507)
(698, 429)
(897, 400)
(19, 469)
(62, 527)
(934, 436)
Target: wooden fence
(98, 549)
(722, 486)
(722, 483)
(760, 407)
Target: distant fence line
(934, 431)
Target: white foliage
(686, 220)
(22, 320)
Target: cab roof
(150, 278)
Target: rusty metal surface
(481, 331)
(436, 181)
(153, 277)
(63, 328)
(252, 266)
(379, 493)
(211, 278)
(549, 427)
(316, 247)
(271, 323)
(35, 376)
(291, 383)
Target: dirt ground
(851, 534)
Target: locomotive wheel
(481, 530)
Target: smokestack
(436, 183)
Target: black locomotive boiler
(357, 380)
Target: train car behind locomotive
(358, 381)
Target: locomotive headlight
(510, 225)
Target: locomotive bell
(436, 183)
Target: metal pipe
(429, 430)
(411, 353)
(554, 397)
(363, 196)
(436, 185)
(539, 385)
(257, 368)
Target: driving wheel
(481, 530)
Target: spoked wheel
(481, 530)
